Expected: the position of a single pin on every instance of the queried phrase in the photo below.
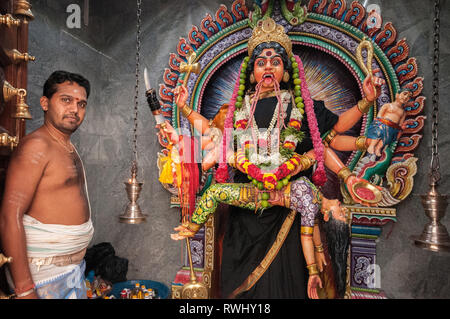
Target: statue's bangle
(361, 143)
(306, 231)
(186, 111)
(319, 248)
(330, 136)
(312, 269)
(344, 173)
(364, 105)
(192, 227)
(306, 162)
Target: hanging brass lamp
(133, 213)
(434, 236)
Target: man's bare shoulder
(37, 142)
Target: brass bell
(22, 109)
(133, 213)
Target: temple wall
(104, 52)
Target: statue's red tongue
(268, 79)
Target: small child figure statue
(388, 125)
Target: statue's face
(403, 97)
(268, 67)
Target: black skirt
(249, 235)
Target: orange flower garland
(277, 178)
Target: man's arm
(25, 171)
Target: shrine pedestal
(364, 274)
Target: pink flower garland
(319, 177)
(222, 171)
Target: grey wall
(104, 52)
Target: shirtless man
(45, 220)
(388, 124)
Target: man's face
(268, 67)
(66, 109)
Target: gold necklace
(66, 147)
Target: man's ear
(44, 103)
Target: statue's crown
(268, 31)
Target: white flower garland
(258, 157)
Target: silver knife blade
(146, 80)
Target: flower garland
(290, 135)
(319, 177)
(221, 174)
(287, 161)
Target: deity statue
(271, 135)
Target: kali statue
(270, 134)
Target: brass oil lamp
(133, 213)
(434, 236)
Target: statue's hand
(372, 86)
(353, 180)
(182, 233)
(276, 198)
(320, 260)
(314, 282)
(212, 143)
(333, 207)
(167, 130)
(181, 95)
(211, 158)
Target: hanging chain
(435, 175)
(136, 88)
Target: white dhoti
(55, 255)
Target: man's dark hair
(59, 77)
